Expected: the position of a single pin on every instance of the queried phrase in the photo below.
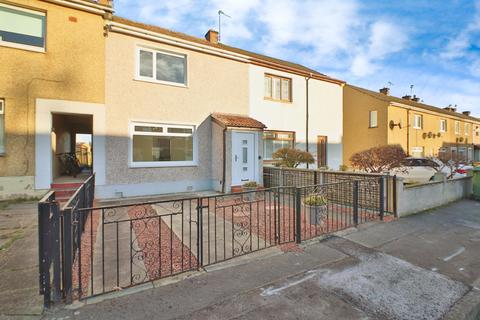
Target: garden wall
(420, 197)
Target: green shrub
(315, 200)
(250, 184)
(291, 158)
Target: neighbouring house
(52, 88)
(376, 118)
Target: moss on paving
(12, 237)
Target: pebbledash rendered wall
(421, 197)
(214, 85)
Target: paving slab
(19, 297)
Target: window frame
(466, 128)
(418, 148)
(276, 132)
(415, 116)
(154, 52)
(281, 78)
(3, 131)
(165, 126)
(21, 46)
(443, 130)
(370, 118)
(457, 127)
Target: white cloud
(458, 47)
(385, 38)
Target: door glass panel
(245, 154)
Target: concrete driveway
(414, 268)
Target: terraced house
(165, 112)
(52, 88)
(377, 118)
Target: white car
(420, 170)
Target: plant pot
(316, 213)
(250, 193)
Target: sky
(433, 45)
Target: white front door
(243, 157)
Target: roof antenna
(411, 89)
(389, 84)
(220, 13)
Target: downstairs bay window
(275, 140)
(162, 145)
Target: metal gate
(107, 248)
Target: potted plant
(251, 187)
(317, 207)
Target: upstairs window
(157, 145)
(278, 88)
(22, 28)
(161, 67)
(373, 122)
(477, 131)
(467, 129)
(457, 127)
(417, 121)
(274, 140)
(443, 125)
(2, 126)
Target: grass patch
(4, 204)
(12, 237)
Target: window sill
(172, 84)
(21, 46)
(275, 100)
(373, 127)
(139, 165)
(417, 128)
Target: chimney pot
(385, 91)
(467, 113)
(212, 36)
(407, 97)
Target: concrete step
(64, 193)
(70, 185)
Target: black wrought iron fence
(108, 248)
(276, 176)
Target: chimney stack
(467, 113)
(415, 98)
(450, 108)
(385, 91)
(407, 97)
(212, 36)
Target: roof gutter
(155, 36)
(82, 5)
(277, 66)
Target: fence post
(355, 202)
(394, 196)
(67, 254)
(200, 232)
(55, 243)
(298, 216)
(44, 257)
(382, 197)
(315, 177)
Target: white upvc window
(22, 28)
(2, 126)
(457, 127)
(277, 88)
(417, 121)
(161, 67)
(417, 152)
(373, 119)
(467, 129)
(443, 125)
(162, 145)
(477, 131)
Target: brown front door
(321, 151)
